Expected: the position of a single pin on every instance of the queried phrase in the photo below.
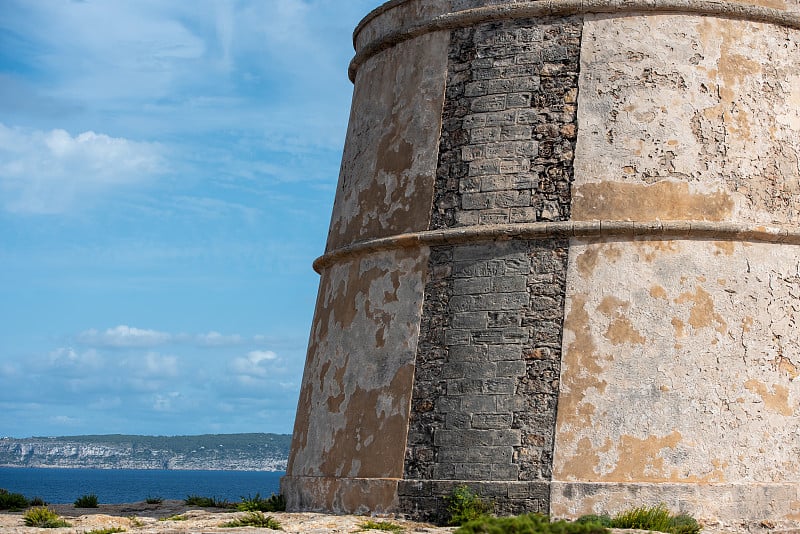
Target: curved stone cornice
(545, 8)
(564, 230)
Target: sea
(112, 486)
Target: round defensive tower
(563, 264)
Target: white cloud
(155, 364)
(123, 336)
(258, 356)
(67, 357)
(215, 339)
(52, 171)
(254, 366)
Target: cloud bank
(48, 172)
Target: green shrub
(12, 501)
(685, 524)
(528, 524)
(153, 500)
(381, 525)
(275, 503)
(37, 501)
(86, 501)
(43, 517)
(110, 530)
(603, 520)
(464, 505)
(656, 518)
(254, 519)
(207, 502)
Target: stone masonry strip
(487, 365)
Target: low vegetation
(465, 505)
(275, 503)
(207, 502)
(153, 500)
(110, 530)
(254, 519)
(380, 525)
(528, 524)
(43, 517)
(37, 501)
(657, 518)
(175, 518)
(12, 501)
(86, 501)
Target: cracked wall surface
(686, 117)
(680, 356)
(680, 370)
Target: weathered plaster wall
(389, 161)
(434, 360)
(680, 357)
(353, 411)
(686, 117)
(352, 418)
(681, 369)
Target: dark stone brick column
(488, 360)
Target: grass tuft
(380, 525)
(254, 519)
(175, 518)
(528, 524)
(109, 530)
(275, 503)
(86, 501)
(153, 500)
(43, 517)
(603, 519)
(207, 502)
(656, 518)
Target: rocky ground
(142, 518)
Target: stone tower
(563, 264)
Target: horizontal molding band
(716, 231)
(547, 8)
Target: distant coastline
(223, 452)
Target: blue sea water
(61, 486)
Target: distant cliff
(246, 452)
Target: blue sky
(167, 171)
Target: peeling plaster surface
(680, 358)
(686, 117)
(389, 162)
(353, 410)
(678, 380)
(682, 367)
